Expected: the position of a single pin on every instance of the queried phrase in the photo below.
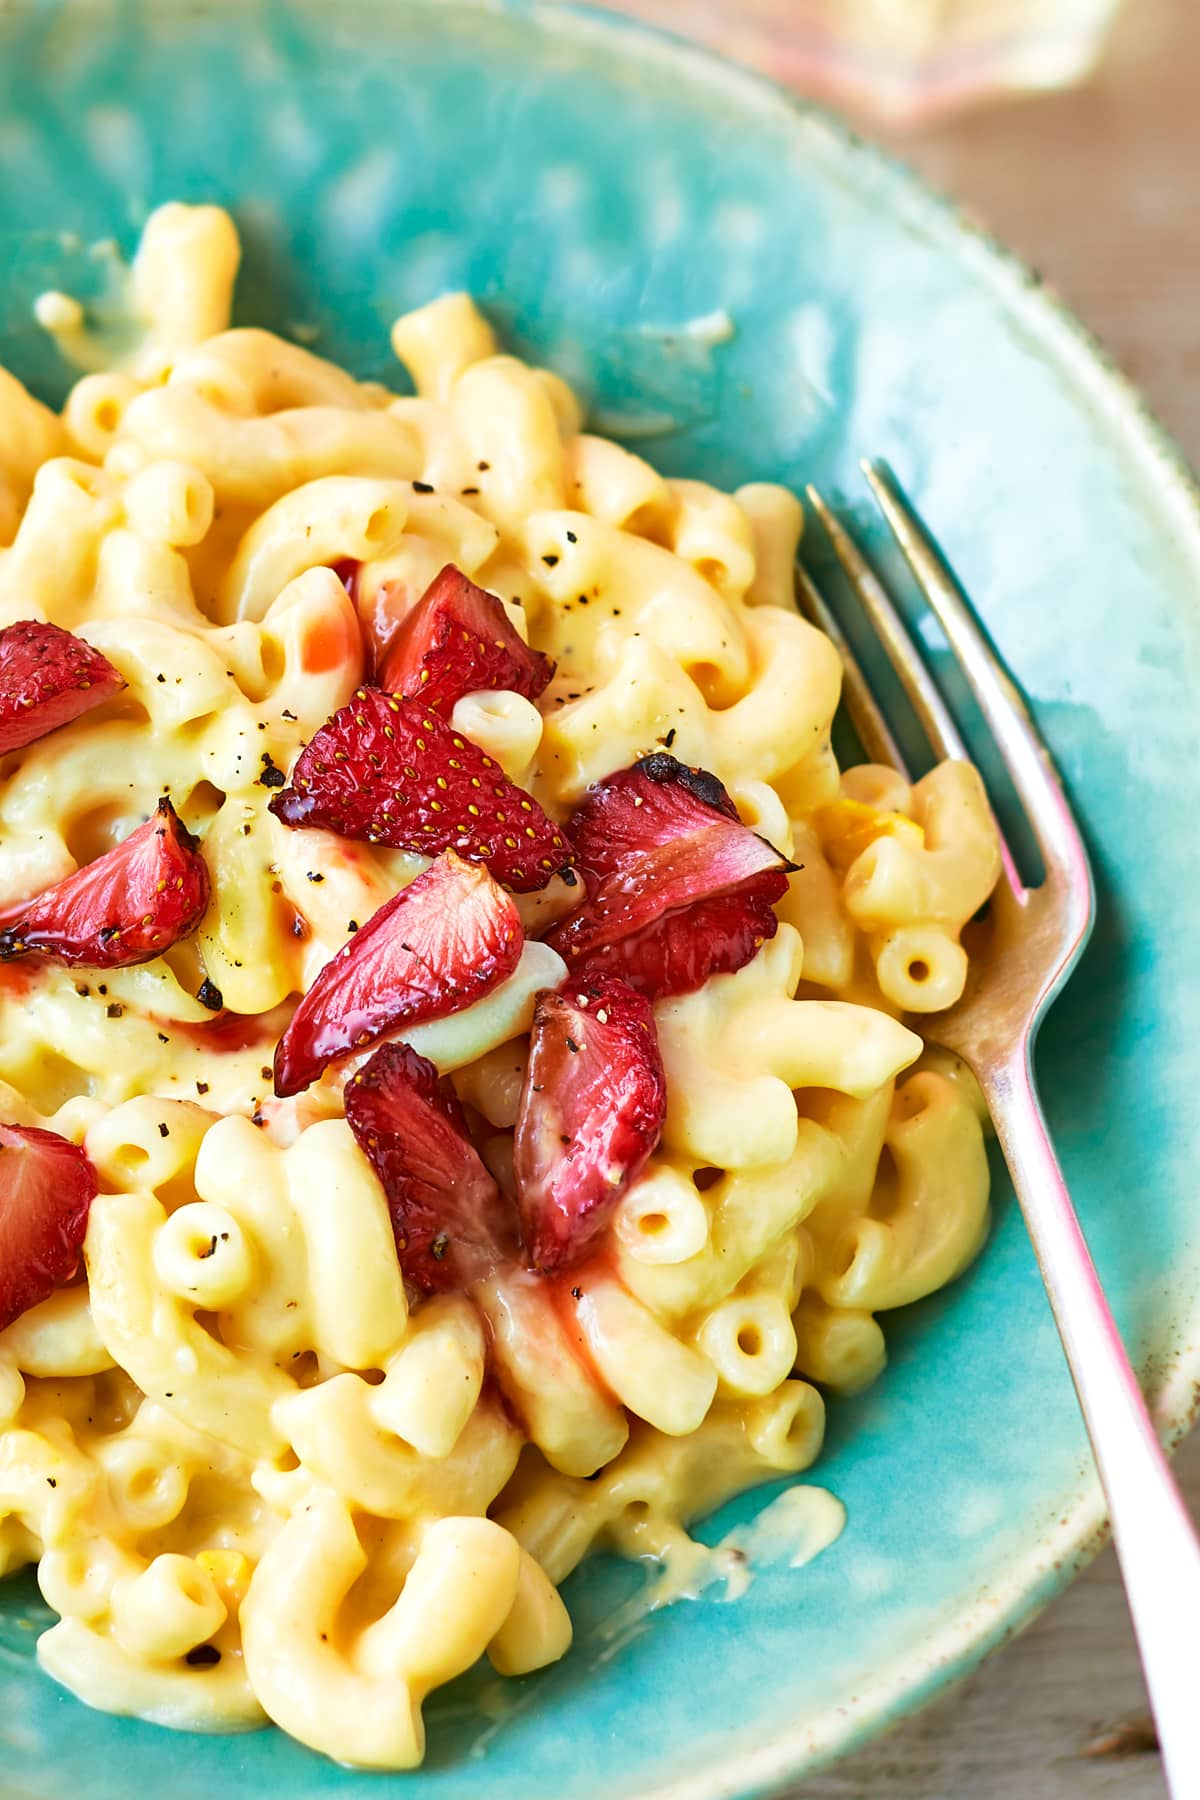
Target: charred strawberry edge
(613, 854)
(592, 816)
(663, 768)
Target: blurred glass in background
(900, 61)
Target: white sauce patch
(789, 1532)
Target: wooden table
(1098, 190)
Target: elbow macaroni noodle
(258, 1479)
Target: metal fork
(1038, 938)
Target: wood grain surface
(1097, 189)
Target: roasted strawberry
(47, 678)
(393, 772)
(47, 1185)
(592, 1112)
(452, 1226)
(636, 810)
(438, 945)
(126, 907)
(457, 640)
(678, 889)
(678, 954)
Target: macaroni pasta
(259, 1476)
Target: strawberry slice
(678, 888)
(678, 954)
(457, 640)
(126, 907)
(46, 1187)
(451, 1225)
(437, 946)
(47, 678)
(592, 1112)
(393, 772)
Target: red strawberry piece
(592, 1112)
(47, 678)
(437, 946)
(457, 640)
(393, 772)
(126, 907)
(678, 954)
(452, 1226)
(346, 571)
(678, 889)
(46, 1187)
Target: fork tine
(1021, 747)
(874, 733)
(902, 653)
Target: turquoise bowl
(598, 187)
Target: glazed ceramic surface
(601, 191)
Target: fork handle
(1154, 1536)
